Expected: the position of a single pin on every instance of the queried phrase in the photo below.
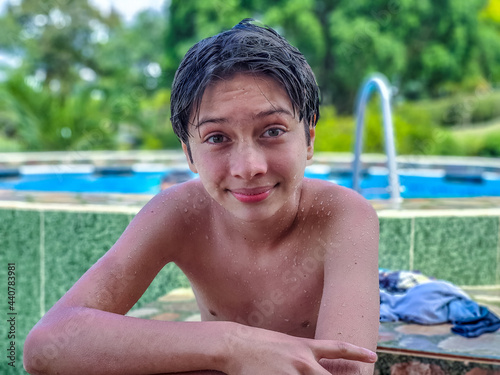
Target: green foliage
(156, 131)
(43, 120)
(461, 109)
(491, 147)
(84, 73)
(414, 133)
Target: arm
(350, 303)
(86, 330)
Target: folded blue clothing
(436, 302)
(488, 322)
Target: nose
(248, 161)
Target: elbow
(34, 361)
(45, 349)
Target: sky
(128, 8)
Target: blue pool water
(373, 185)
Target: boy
(284, 268)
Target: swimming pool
(146, 179)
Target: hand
(260, 351)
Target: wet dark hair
(247, 47)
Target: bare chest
(281, 293)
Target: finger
(320, 370)
(338, 349)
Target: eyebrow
(262, 114)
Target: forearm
(83, 341)
(204, 372)
(345, 367)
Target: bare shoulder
(336, 204)
(173, 213)
(349, 231)
(156, 236)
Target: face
(249, 148)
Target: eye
(217, 138)
(273, 132)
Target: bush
(462, 109)
(155, 130)
(412, 129)
(491, 146)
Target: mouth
(252, 195)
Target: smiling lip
(252, 195)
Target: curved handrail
(379, 82)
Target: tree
(87, 75)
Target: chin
(253, 214)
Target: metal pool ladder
(379, 82)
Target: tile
(395, 363)
(482, 371)
(74, 241)
(416, 367)
(461, 250)
(168, 278)
(394, 244)
(20, 244)
(85, 237)
(423, 330)
(193, 318)
(178, 294)
(485, 346)
(143, 312)
(166, 317)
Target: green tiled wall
(20, 241)
(394, 244)
(69, 253)
(69, 243)
(462, 250)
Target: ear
(310, 147)
(188, 157)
